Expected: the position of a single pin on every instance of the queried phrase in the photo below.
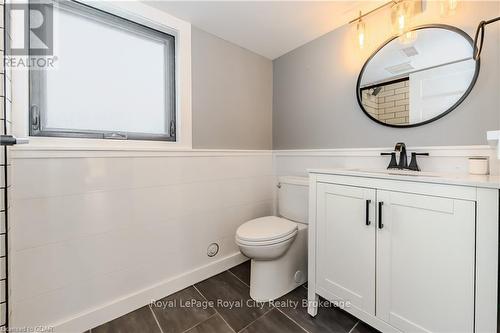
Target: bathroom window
(113, 79)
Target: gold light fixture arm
(393, 2)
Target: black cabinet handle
(380, 224)
(368, 202)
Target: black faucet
(403, 159)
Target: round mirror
(419, 77)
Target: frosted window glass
(109, 78)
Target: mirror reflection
(419, 78)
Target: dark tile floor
(222, 304)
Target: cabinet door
(346, 244)
(425, 262)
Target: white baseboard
(133, 301)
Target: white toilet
(278, 245)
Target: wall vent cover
(401, 68)
(410, 51)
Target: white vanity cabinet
(405, 255)
(346, 243)
(425, 262)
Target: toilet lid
(266, 229)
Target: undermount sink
(395, 172)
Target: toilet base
(271, 279)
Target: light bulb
(401, 22)
(361, 33)
(401, 15)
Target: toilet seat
(266, 231)
(265, 243)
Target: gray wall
(232, 95)
(314, 103)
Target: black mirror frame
(453, 107)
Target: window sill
(94, 148)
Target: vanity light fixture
(401, 15)
(360, 24)
(361, 31)
(402, 12)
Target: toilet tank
(293, 198)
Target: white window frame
(144, 15)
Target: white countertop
(418, 176)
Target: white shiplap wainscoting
(449, 159)
(97, 234)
